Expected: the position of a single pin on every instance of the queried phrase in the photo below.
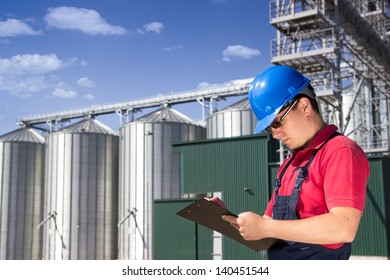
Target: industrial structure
(148, 170)
(94, 189)
(235, 120)
(126, 111)
(81, 193)
(22, 175)
(344, 47)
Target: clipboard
(209, 214)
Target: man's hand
(232, 220)
(216, 200)
(248, 224)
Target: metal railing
(322, 41)
(234, 88)
(282, 8)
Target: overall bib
(285, 209)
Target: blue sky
(60, 55)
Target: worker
(320, 190)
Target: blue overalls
(285, 209)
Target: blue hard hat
(271, 90)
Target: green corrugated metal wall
(176, 238)
(224, 165)
(374, 232)
(231, 165)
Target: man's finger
(231, 219)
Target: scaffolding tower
(343, 46)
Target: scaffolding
(344, 47)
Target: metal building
(238, 169)
(148, 170)
(22, 162)
(242, 170)
(235, 120)
(81, 193)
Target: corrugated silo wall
(231, 122)
(82, 196)
(148, 171)
(21, 199)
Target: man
(319, 195)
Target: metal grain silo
(149, 171)
(235, 120)
(81, 192)
(22, 163)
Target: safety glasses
(277, 123)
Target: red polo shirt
(337, 176)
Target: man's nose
(275, 132)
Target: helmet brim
(264, 123)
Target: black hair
(313, 101)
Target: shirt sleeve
(345, 177)
(268, 210)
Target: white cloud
(27, 74)
(84, 63)
(75, 61)
(240, 52)
(29, 64)
(19, 85)
(89, 97)
(14, 27)
(155, 27)
(84, 20)
(203, 85)
(26, 86)
(85, 82)
(173, 48)
(64, 93)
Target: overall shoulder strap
(304, 170)
(278, 180)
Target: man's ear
(305, 105)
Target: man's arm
(338, 226)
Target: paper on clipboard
(208, 214)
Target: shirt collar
(321, 137)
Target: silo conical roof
(23, 135)
(239, 105)
(235, 120)
(89, 125)
(167, 114)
